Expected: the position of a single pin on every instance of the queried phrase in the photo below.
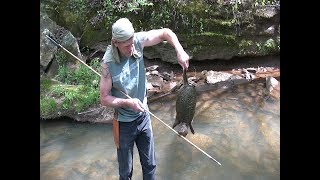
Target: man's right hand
(135, 104)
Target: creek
(238, 126)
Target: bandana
(122, 30)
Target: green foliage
(87, 91)
(78, 97)
(160, 19)
(79, 88)
(266, 2)
(58, 91)
(70, 96)
(45, 85)
(245, 43)
(88, 96)
(78, 6)
(107, 8)
(195, 16)
(61, 57)
(243, 11)
(63, 74)
(268, 47)
(201, 25)
(81, 75)
(47, 105)
(136, 5)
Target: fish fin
(175, 123)
(191, 128)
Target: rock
(271, 83)
(272, 87)
(152, 68)
(214, 76)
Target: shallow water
(238, 127)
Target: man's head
(122, 37)
(122, 30)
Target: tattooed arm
(106, 99)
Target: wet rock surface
(166, 78)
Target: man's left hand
(183, 59)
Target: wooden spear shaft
(54, 42)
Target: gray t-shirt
(129, 76)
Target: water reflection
(239, 127)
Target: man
(123, 72)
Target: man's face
(126, 47)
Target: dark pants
(140, 132)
